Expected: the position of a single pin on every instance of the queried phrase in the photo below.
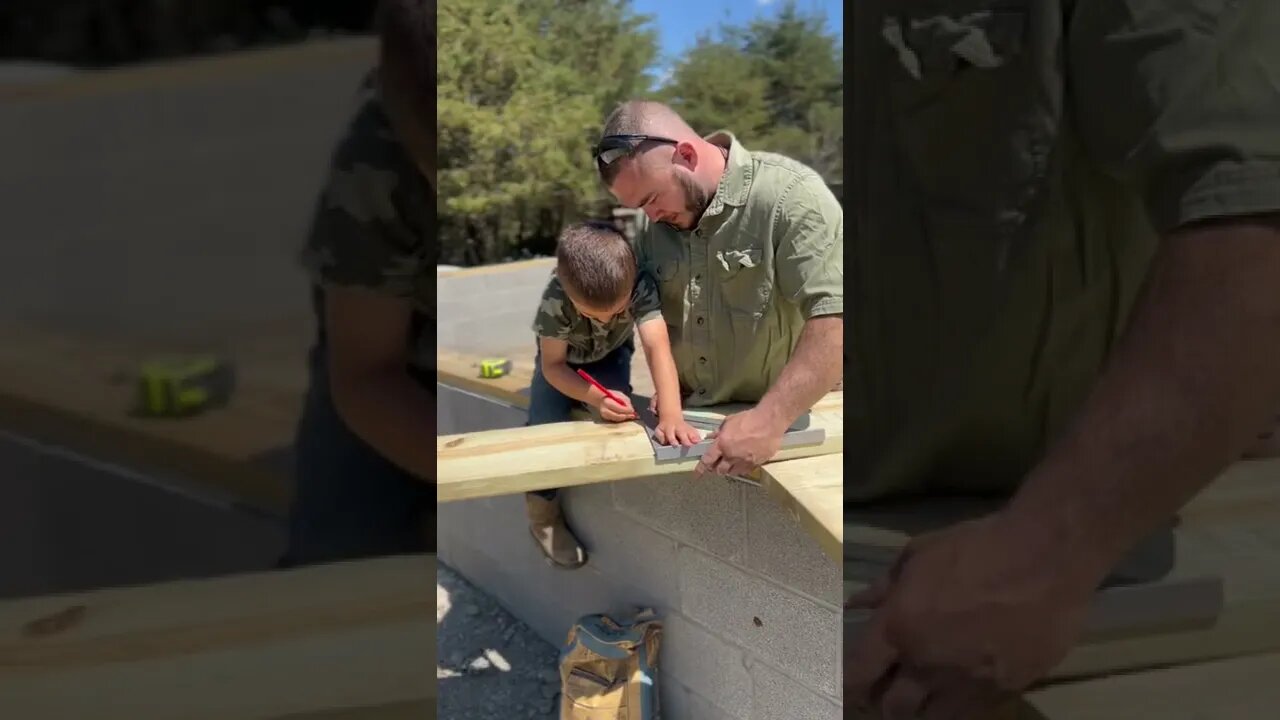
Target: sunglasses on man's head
(613, 147)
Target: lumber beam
(1229, 532)
(519, 460)
(812, 490)
(1234, 689)
(350, 640)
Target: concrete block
(770, 621)
(777, 696)
(680, 703)
(707, 666)
(549, 599)
(779, 548)
(621, 547)
(706, 513)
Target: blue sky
(679, 21)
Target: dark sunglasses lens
(608, 156)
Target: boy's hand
(676, 431)
(611, 411)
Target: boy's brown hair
(595, 263)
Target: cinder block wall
(490, 309)
(750, 603)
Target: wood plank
(1236, 689)
(812, 489)
(1232, 530)
(263, 645)
(1244, 549)
(75, 391)
(518, 460)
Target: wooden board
(519, 460)
(812, 489)
(76, 392)
(1232, 530)
(1236, 689)
(355, 637)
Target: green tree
(714, 89)
(522, 90)
(776, 82)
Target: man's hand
(969, 617)
(613, 411)
(744, 442)
(676, 431)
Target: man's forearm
(1193, 379)
(815, 367)
(397, 417)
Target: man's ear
(686, 156)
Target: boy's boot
(552, 536)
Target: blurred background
(160, 161)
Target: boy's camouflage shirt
(588, 339)
(373, 224)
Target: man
(748, 251)
(1068, 253)
(365, 458)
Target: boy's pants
(349, 501)
(549, 405)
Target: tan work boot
(553, 537)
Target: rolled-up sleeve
(1182, 97)
(810, 252)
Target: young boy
(589, 312)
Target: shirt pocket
(745, 285)
(976, 103)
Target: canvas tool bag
(609, 669)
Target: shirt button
(699, 320)
(702, 360)
(702, 391)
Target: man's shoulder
(778, 178)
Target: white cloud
(764, 3)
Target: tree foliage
(778, 83)
(524, 87)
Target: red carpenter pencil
(598, 386)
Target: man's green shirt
(767, 255)
(1015, 163)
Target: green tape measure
(179, 387)
(494, 367)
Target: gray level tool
(799, 434)
(1142, 609)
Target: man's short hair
(595, 263)
(636, 117)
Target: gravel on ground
(490, 665)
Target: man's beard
(696, 200)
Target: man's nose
(652, 213)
